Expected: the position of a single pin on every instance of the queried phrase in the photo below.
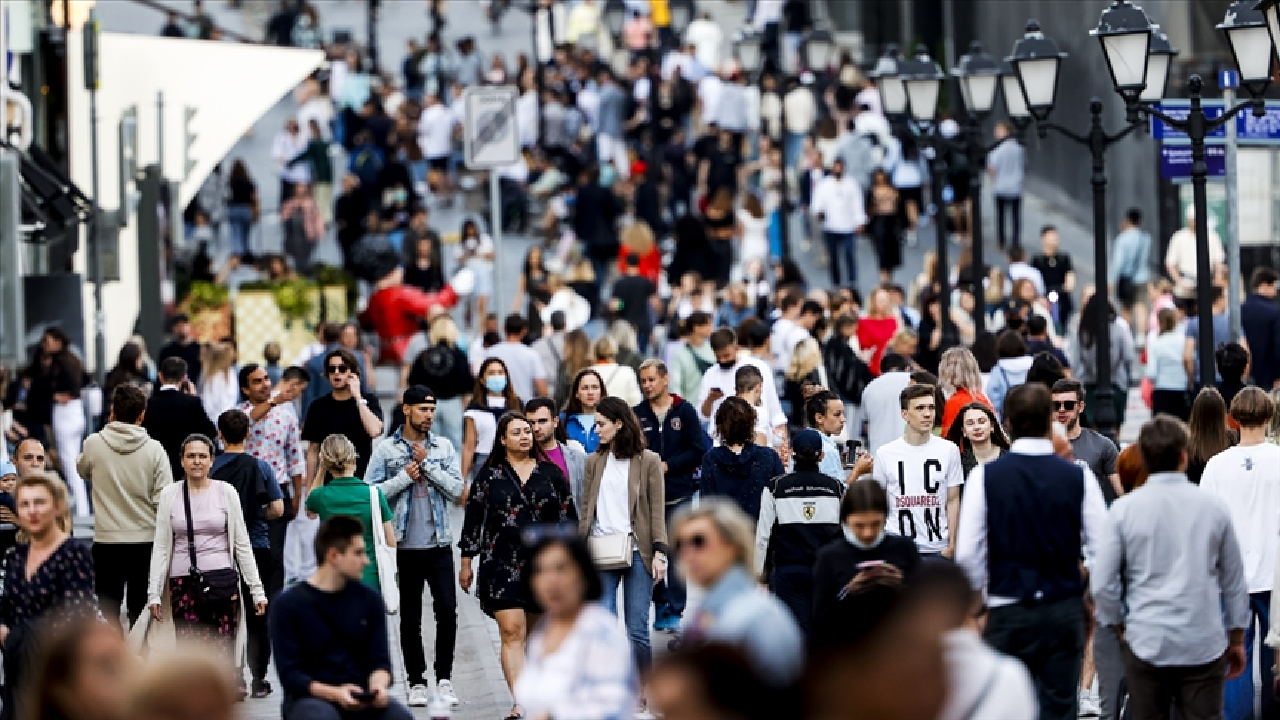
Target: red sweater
(394, 313)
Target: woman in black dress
(48, 582)
(518, 487)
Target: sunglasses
(1067, 405)
(697, 542)
(337, 369)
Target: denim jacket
(387, 469)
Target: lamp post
(681, 15)
(979, 78)
(1123, 34)
(1251, 28)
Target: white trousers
(615, 149)
(68, 434)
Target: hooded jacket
(1008, 373)
(127, 469)
(742, 476)
(679, 441)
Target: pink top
(213, 543)
(557, 456)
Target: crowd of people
(867, 493)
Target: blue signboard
(1175, 162)
(1250, 130)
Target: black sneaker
(261, 689)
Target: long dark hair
(629, 442)
(479, 391)
(1207, 430)
(498, 455)
(956, 433)
(573, 406)
(1091, 317)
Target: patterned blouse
(498, 510)
(276, 439)
(64, 582)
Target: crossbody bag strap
(191, 531)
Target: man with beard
(1094, 449)
(568, 455)
(419, 473)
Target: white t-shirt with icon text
(917, 478)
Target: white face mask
(854, 541)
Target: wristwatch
(364, 401)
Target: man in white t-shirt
(922, 475)
(881, 404)
(1245, 478)
(1180, 258)
(524, 367)
(720, 380)
(435, 139)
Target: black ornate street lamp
(980, 80)
(615, 16)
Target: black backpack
(434, 363)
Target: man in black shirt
(343, 411)
(174, 411)
(720, 166)
(330, 635)
(632, 295)
(183, 346)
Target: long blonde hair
(57, 490)
(577, 352)
(638, 238)
(806, 358)
(957, 369)
(218, 359)
(337, 453)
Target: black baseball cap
(419, 394)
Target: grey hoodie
(127, 470)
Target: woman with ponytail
(346, 494)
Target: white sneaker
(444, 689)
(418, 696)
(644, 713)
(1089, 706)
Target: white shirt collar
(1032, 446)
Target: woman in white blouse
(579, 664)
(623, 494)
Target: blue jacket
(387, 470)
(587, 436)
(1131, 257)
(740, 476)
(679, 441)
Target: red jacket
(394, 313)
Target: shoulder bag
(216, 585)
(611, 552)
(384, 555)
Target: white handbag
(384, 555)
(611, 552)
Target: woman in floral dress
(517, 488)
(48, 582)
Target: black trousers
(1195, 690)
(120, 576)
(433, 568)
(1012, 236)
(276, 530)
(259, 643)
(793, 585)
(1049, 639)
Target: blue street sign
(1175, 162)
(1250, 130)
(1228, 79)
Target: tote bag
(385, 556)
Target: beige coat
(646, 489)
(160, 635)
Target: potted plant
(208, 306)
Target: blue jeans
(449, 420)
(840, 247)
(1238, 693)
(670, 595)
(638, 587)
(241, 219)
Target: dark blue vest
(1033, 527)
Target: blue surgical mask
(854, 541)
(496, 384)
(607, 175)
